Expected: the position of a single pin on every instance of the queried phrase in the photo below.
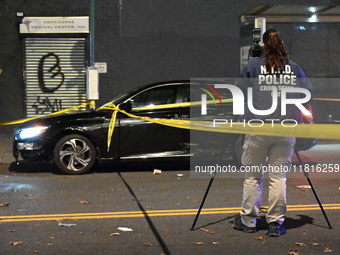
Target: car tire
(238, 149)
(74, 154)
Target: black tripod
(304, 172)
(314, 191)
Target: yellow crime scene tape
(316, 131)
(327, 99)
(13, 122)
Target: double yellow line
(152, 213)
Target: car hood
(76, 117)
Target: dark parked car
(76, 141)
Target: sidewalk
(6, 134)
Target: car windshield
(118, 99)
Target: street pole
(92, 34)
(92, 56)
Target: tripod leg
(213, 174)
(202, 203)
(314, 191)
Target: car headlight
(31, 132)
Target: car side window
(155, 96)
(196, 92)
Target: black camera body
(256, 50)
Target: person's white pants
(273, 155)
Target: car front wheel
(74, 154)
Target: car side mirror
(127, 106)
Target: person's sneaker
(276, 230)
(240, 226)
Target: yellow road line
(115, 213)
(154, 213)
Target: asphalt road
(43, 212)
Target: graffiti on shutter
(55, 74)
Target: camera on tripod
(256, 50)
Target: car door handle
(171, 116)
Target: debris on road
(208, 231)
(4, 204)
(196, 202)
(147, 244)
(15, 243)
(157, 171)
(293, 252)
(85, 202)
(300, 244)
(316, 244)
(198, 243)
(66, 225)
(125, 229)
(303, 187)
(116, 189)
(260, 238)
(115, 234)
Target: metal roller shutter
(55, 74)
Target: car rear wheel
(74, 154)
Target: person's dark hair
(275, 52)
